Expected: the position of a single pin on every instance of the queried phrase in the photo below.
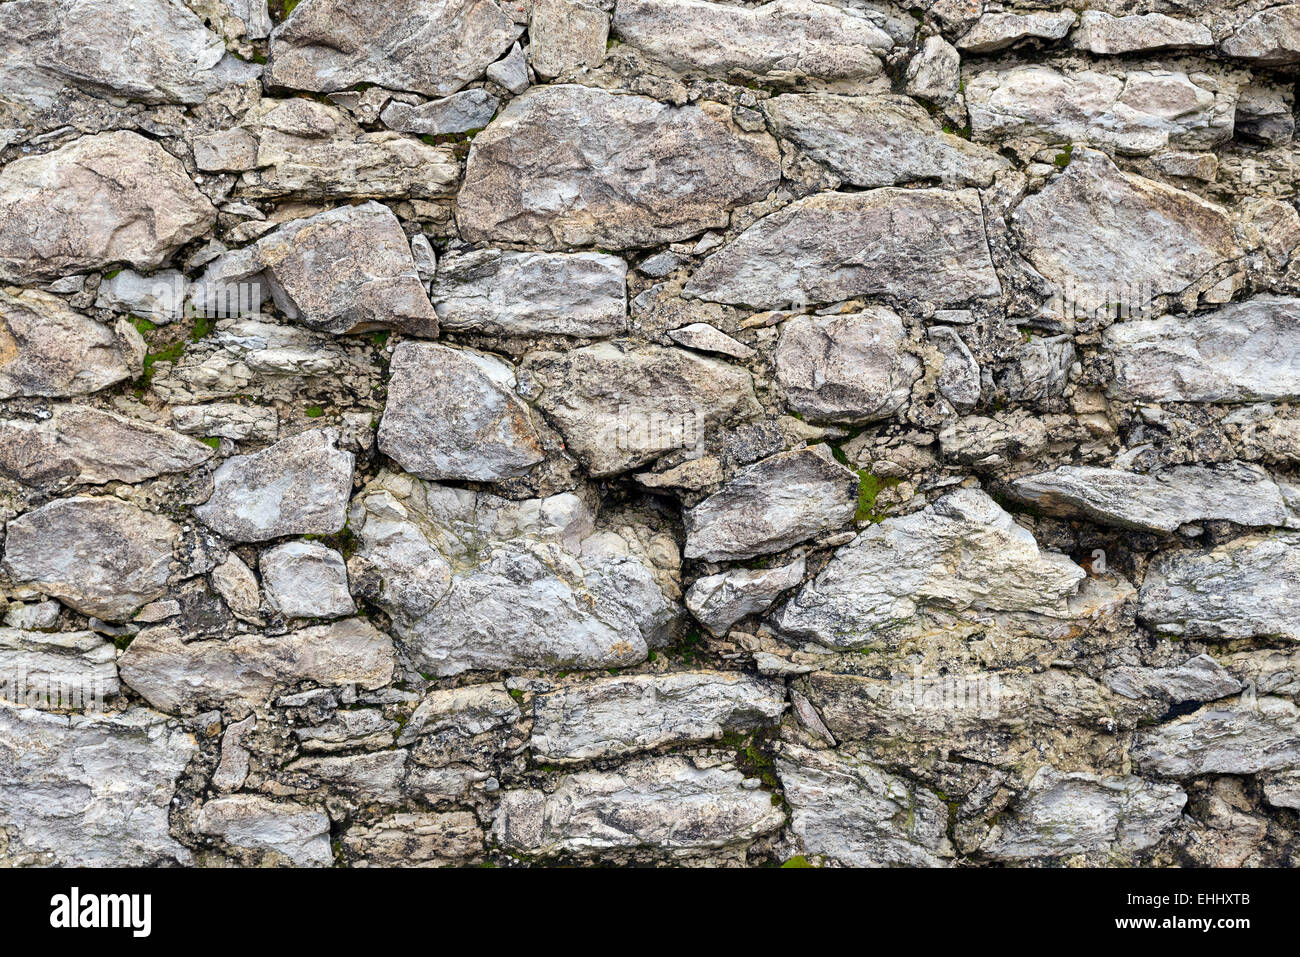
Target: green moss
(870, 486)
(314, 412)
(211, 440)
(517, 694)
(797, 861)
(143, 326)
(1063, 158)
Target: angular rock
(961, 553)
(1197, 679)
(609, 717)
(345, 270)
(184, 677)
(1139, 112)
(783, 41)
(1283, 790)
(432, 47)
(73, 670)
(668, 805)
(719, 601)
(306, 580)
(879, 140)
(1245, 588)
(511, 71)
(771, 505)
(1241, 736)
(502, 293)
(546, 171)
(566, 35)
(104, 199)
(458, 113)
(997, 31)
(237, 585)
(846, 368)
(47, 349)
(1095, 229)
(90, 790)
(364, 729)
(99, 556)
(1105, 34)
(1158, 501)
(1076, 813)
(858, 815)
(910, 244)
(473, 581)
(227, 420)
(159, 297)
(703, 337)
(1245, 352)
(619, 406)
(454, 414)
(934, 73)
(298, 486)
(959, 377)
(277, 832)
(1269, 38)
(415, 840)
(81, 445)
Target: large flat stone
(47, 349)
(1241, 736)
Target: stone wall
(617, 431)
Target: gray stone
(65, 670)
(279, 832)
(511, 71)
(81, 445)
(453, 414)
(857, 815)
(184, 677)
(1076, 813)
(1095, 230)
(99, 556)
(47, 349)
(1241, 736)
(846, 368)
(545, 171)
(934, 72)
(609, 717)
(415, 840)
(235, 582)
(1245, 352)
(783, 41)
(1245, 588)
(504, 293)
(227, 420)
(1283, 790)
(1158, 501)
(961, 553)
(996, 31)
(566, 35)
(33, 616)
(959, 377)
(104, 199)
(306, 580)
(458, 113)
(1197, 679)
(771, 505)
(432, 47)
(703, 337)
(1102, 33)
(879, 140)
(1269, 38)
(299, 486)
(90, 790)
(159, 297)
(719, 601)
(619, 406)
(924, 244)
(668, 805)
(365, 729)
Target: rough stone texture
(416, 840)
(787, 40)
(1269, 38)
(566, 35)
(72, 662)
(615, 716)
(669, 804)
(1101, 32)
(101, 556)
(505, 293)
(545, 171)
(298, 486)
(47, 349)
(432, 47)
(928, 244)
(1236, 737)
(719, 601)
(458, 113)
(90, 790)
(996, 31)
(306, 580)
(284, 833)
(454, 414)
(82, 445)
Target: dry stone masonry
(684, 432)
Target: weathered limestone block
(47, 349)
(276, 832)
(910, 244)
(100, 556)
(64, 669)
(1241, 736)
(548, 172)
(619, 406)
(104, 199)
(1269, 38)
(667, 805)
(90, 790)
(609, 717)
(857, 815)
(1102, 33)
(306, 580)
(719, 601)
(1197, 679)
(771, 505)
(458, 113)
(566, 35)
(432, 47)
(415, 840)
(454, 414)
(184, 677)
(996, 31)
(299, 486)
